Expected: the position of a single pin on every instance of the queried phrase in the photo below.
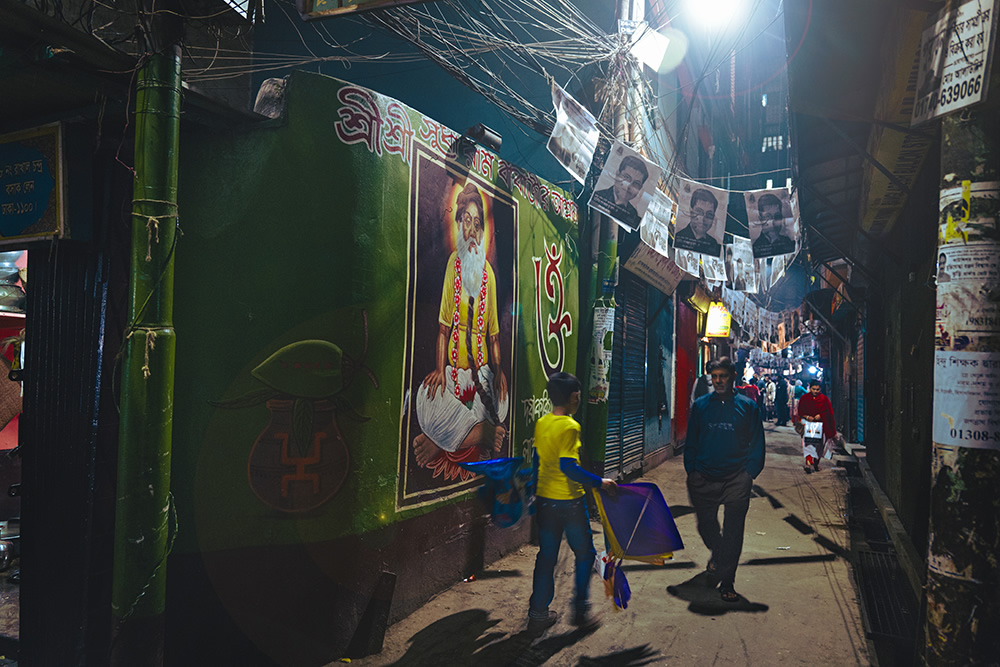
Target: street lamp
(715, 13)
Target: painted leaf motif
(306, 368)
(247, 400)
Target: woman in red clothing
(816, 407)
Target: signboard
(31, 200)
(719, 321)
(659, 271)
(955, 55)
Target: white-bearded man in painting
(462, 404)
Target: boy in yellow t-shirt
(560, 505)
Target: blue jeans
(554, 517)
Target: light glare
(715, 13)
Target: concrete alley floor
(800, 603)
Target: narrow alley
(303, 272)
(800, 604)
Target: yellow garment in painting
(446, 316)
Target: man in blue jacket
(723, 454)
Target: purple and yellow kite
(638, 526)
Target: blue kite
(637, 526)
(505, 487)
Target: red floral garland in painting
(480, 325)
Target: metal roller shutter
(634, 380)
(626, 401)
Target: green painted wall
(299, 229)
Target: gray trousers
(733, 493)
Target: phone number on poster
(959, 91)
(969, 434)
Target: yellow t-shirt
(557, 437)
(447, 314)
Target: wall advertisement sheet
(967, 399)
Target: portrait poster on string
(774, 226)
(574, 136)
(701, 218)
(625, 187)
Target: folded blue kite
(505, 487)
(637, 526)
(637, 523)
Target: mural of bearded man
(463, 403)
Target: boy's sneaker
(536, 626)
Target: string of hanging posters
(687, 237)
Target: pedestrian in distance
(816, 407)
(560, 506)
(770, 389)
(798, 391)
(702, 385)
(723, 454)
(781, 402)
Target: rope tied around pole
(153, 222)
(150, 345)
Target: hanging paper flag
(574, 137)
(655, 226)
(688, 261)
(625, 187)
(637, 523)
(774, 228)
(778, 268)
(715, 268)
(701, 218)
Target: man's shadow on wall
(466, 639)
(706, 600)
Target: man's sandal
(729, 593)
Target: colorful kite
(505, 487)
(637, 523)
(637, 526)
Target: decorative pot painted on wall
(300, 460)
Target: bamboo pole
(143, 511)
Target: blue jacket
(724, 436)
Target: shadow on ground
(631, 657)
(669, 565)
(705, 600)
(466, 638)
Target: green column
(595, 426)
(143, 504)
